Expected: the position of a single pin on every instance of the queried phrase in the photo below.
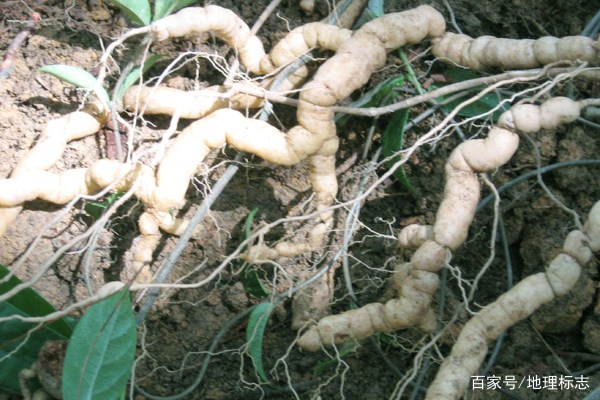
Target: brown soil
(561, 339)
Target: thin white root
(513, 306)
(488, 51)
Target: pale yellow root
(55, 136)
(315, 138)
(513, 306)
(189, 149)
(414, 235)
(308, 6)
(196, 104)
(350, 69)
(60, 188)
(488, 51)
(222, 22)
(417, 281)
(301, 40)
(164, 100)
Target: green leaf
(75, 76)
(95, 209)
(252, 282)
(134, 75)
(250, 278)
(373, 10)
(249, 222)
(162, 8)
(375, 97)
(254, 335)
(484, 105)
(346, 348)
(31, 303)
(13, 333)
(138, 11)
(101, 352)
(393, 142)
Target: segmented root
(197, 104)
(49, 149)
(513, 306)
(417, 281)
(487, 51)
(222, 22)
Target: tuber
(55, 136)
(488, 51)
(513, 306)
(196, 104)
(417, 281)
(225, 24)
(315, 138)
(349, 69)
(308, 6)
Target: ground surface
(559, 340)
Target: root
(417, 281)
(513, 306)
(55, 136)
(487, 51)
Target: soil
(561, 339)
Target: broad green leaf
(31, 303)
(101, 351)
(75, 76)
(393, 141)
(138, 11)
(13, 333)
(162, 8)
(254, 335)
(134, 75)
(376, 7)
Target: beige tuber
(222, 22)
(49, 149)
(488, 51)
(315, 138)
(513, 306)
(417, 281)
(197, 104)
